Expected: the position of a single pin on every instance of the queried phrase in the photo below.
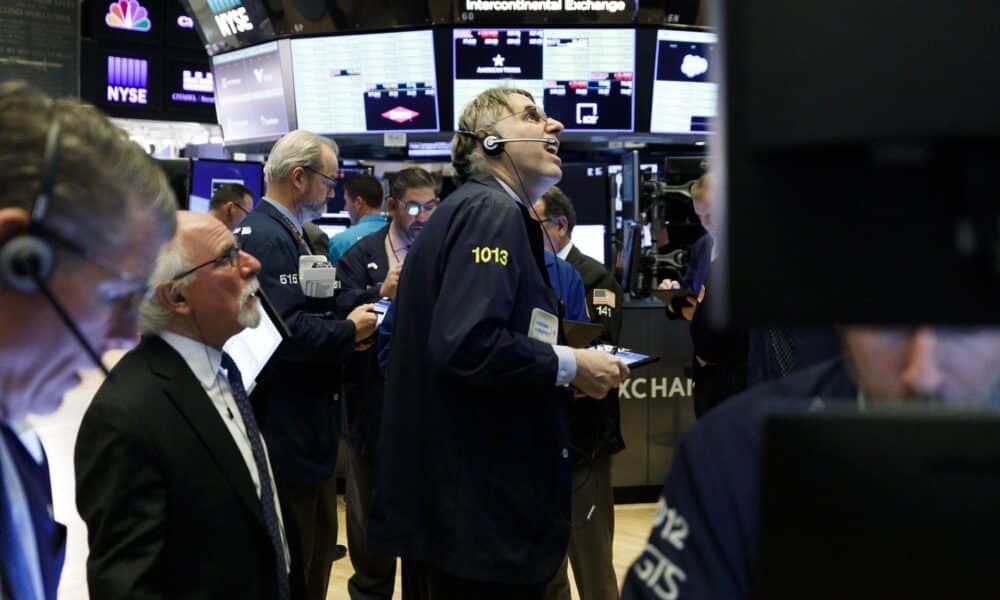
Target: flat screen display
(684, 93)
(251, 349)
(207, 176)
(589, 190)
(250, 94)
(368, 83)
(590, 240)
(582, 77)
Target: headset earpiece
(23, 260)
(492, 145)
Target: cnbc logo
(128, 15)
(231, 16)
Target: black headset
(28, 257)
(493, 144)
(27, 260)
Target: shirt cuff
(567, 365)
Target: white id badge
(544, 327)
(317, 277)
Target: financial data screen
(684, 95)
(582, 77)
(369, 83)
(250, 93)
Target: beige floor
(58, 434)
(632, 523)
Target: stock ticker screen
(684, 95)
(250, 93)
(367, 83)
(582, 77)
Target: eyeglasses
(530, 113)
(331, 182)
(125, 286)
(239, 206)
(413, 208)
(229, 257)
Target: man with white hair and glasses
(298, 406)
(173, 476)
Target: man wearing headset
(473, 480)
(369, 270)
(83, 212)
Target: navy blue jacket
(474, 469)
(361, 271)
(297, 405)
(703, 543)
(568, 284)
(50, 536)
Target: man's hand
(364, 318)
(597, 372)
(388, 289)
(669, 284)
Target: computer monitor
(252, 98)
(631, 189)
(335, 203)
(366, 83)
(680, 170)
(883, 504)
(591, 240)
(252, 348)
(333, 223)
(864, 151)
(630, 256)
(583, 77)
(208, 175)
(684, 92)
(178, 172)
(587, 186)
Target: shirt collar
(204, 361)
(373, 217)
(284, 211)
(509, 190)
(565, 250)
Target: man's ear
(13, 221)
(173, 299)
(390, 203)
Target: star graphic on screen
(498, 60)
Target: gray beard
(249, 314)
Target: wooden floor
(632, 524)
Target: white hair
(299, 148)
(170, 262)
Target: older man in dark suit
(173, 476)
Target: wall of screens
(381, 82)
(583, 77)
(368, 83)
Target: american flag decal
(604, 298)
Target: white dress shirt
(205, 362)
(567, 360)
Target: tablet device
(252, 348)
(579, 334)
(667, 296)
(630, 358)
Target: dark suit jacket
(361, 271)
(297, 405)
(596, 424)
(50, 536)
(169, 504)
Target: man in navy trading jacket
(704, 538)
(594, 424)
(297, 407)
(473, 483)
(369, 271)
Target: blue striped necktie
(267, 506)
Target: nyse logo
(127, 80)
(234, 21)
